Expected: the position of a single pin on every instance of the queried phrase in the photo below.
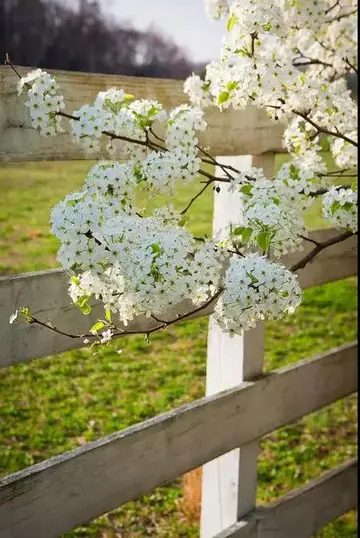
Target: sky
(185, 21)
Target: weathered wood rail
(240, 133)
(46, 292)
(53, 497)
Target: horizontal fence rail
(46, 294)
(55, 496)
(304, 511)
(229, 133)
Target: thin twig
(318, 248)
(340, 172)
(33, 320)
(216, 163)
(163, 324)
(342, 16)
(181, 317)
(325, 131)
(356, 71)
(327, 11)
(113, 136)
(196, 196)
(213, 178)
(309, 240)
(324, 190)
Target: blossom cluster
(217, 9)
(44, 101)
(255, 289)
(181, 162)
(267, 47)
(115, 112)
(134, 265)
(340, 207)
(287, 57)
(273, 210)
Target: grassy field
(56, 404)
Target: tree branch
(323, 130)
(324, 190)
(113, 136)
(213, 161)
(356, 71)
(318, 248)
(197, 196)
(119, 332)
(342, 16)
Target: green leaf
(97, 327)
(82, 303)
(153, 110)
(246, 235)
(334, 206)
(243, 52)
(138, 174)
(246, 189)
(75, 280)
(233, 85)
(157, 276)
(223, 97)
(25, 311)
(156, 248)
(294, 171)
(267, 26)
(263, 240)
(231, 22)
(348, 206)
(108, 314)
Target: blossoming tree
(289, 57)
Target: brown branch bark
(323, 130)
(319, 247)
(119, 332)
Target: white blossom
(146, 264)
(255, 289)
(216, 9)
(13, 317)
(340, 207)
(44, 102)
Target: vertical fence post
(229, 482)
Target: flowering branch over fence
(146, 264)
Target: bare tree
(48, 34)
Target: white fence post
(229, 482)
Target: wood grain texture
(228, 133)
(304, 511)
(55, 496)
(229, 482)
(46, 295)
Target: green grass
(58, 403)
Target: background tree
(47, 34)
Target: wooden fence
(241, 405)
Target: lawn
(58, 403)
